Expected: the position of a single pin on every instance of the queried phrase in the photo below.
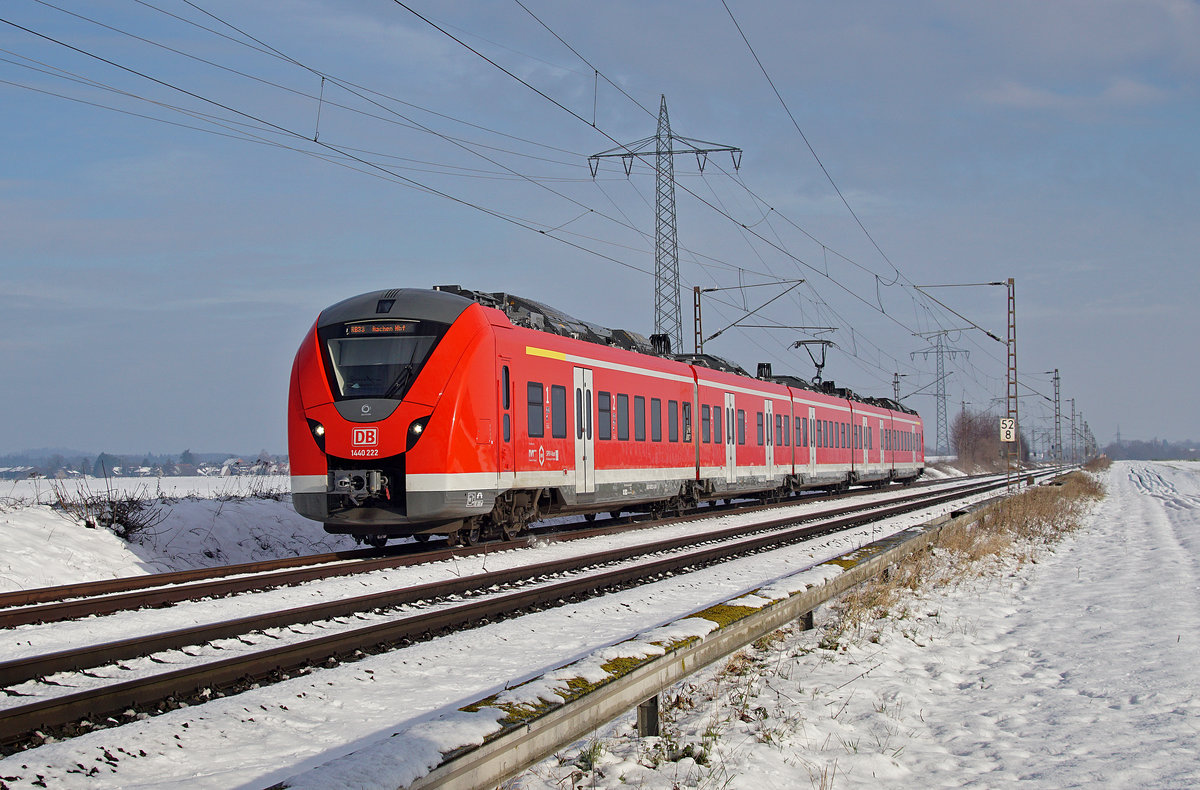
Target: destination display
(382, 328)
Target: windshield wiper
(401, 383)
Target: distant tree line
(105, 464)
(1153, 450)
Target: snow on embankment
(1072, 666)
(190, 522)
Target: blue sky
(164, 252)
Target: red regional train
(473, 414)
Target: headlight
(318, 432)
(415, 431)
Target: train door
(585, 437)
(730, 438)
(862, 439)
(769, 417)
(812, 440)
(506, 469)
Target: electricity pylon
(940, 349)
(668, 317)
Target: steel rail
(19, 723)
(62, 592)
(369, 560)
(21, 670)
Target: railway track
(51, 604)
(508, 593)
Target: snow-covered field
(1082, 670)
(202, 522)
(1077, 670)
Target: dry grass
(1017, 528)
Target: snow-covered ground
(201, 522)
(1077, 670)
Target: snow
(205, 522)
(1074, 670)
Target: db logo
(365, 437)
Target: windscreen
(377, 360)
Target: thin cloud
(1119, 93)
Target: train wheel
(376, 541)
(454, 538)
(511, 531)
(472, 535)
(589, 517)
(421, 537)
(614, 513)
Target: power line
(803, 137)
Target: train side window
(687, 422)
(673, 420)
(741, 426)
(759, 421)
(799, 431)
(780, 440)
(506, 400)
(655, 420)
(705, 423)
(537, 414)
(604, 417)
(623, 417)
(639, 418)
(558, 411)
(718, 424)
(579, 414)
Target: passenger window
(639, 418)
(537, 414)
(655, 420)
(759, 421)
(741, 426)
(578, 414)
(506, 397)
(705, 423)
(687, 422)
(673, 420)
(799, 431)
(604, 418)
(623, 417)
(558, 411)
(718, 423)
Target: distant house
(17, 472)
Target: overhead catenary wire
(364, 164)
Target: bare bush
(125, 514)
